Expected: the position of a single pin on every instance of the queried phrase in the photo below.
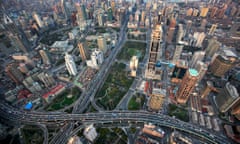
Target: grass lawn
(132, 48)
(136, 102)
(62, 100)
(178, 112)
(32, 134)
(115, 87)
(110, 136)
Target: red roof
(23, 94)
(53, 91)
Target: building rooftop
(193, 72)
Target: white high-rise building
(181, 33)
(90, 133)
(197, 56)
(70, 64)
(38, 19)
(134, 65)
(177, 53)
(199, 37)
(202, 68)
(97, 57)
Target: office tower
(14, 73)
(227, 97)
(233, 11)
(222, 11)
(214, 11)
(180, 33)
(197, 56)
(202, 68)
(189, 12)
(203, 24)
(110, 14)
(208, 87)
(155, 53)
(81, 16)
(223, 62)
(188, 84)
(100, 19)
(83, 51)
(170, 35)
(188, 26)
(16, 35)
(204, 11)
(97, 58)
(90, 133)
(212, 29)
(113, 6)
(235, 28)
(177, 53)
(46, 78)
(70, 64)
(199, 37)
(213, 47)
(38, 19)
(173, 23)
(102, 45)
(134, 65)
(156, 99)
(45, 57)
(143, 16)
(195, 12)
(137, 16)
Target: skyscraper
(46, 78)
(223, 62)
(16, 34)
(212, 29)
(202, 68)
(188, 84)
(213, 47)
(204, 11)
(207, 89)
(228, 97)
(102, 45)
(180, 33)
(155, 53)
(83, 51)
(70, 64)
(199, 37)
(14, 73)
(81, 16)
(45, 57)
(197, 56)
(38, 19)
(97, 57)
(177, 53)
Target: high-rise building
(223, 62)
(199, 37)
(213, 12)
(221, 12)
(65, 9)
(134, 65)
(143, 16)
(90, 133)
(157, 99)
(180, 33)
(97, 57)
(203, 24)
(189, 12)
(74, 140)
(113, 5)
(137, 16)
(212, 29)
(197, 56)
(100, 19)
(70, 64)
(177, 53)
(82, 46)
(213, 47)
(110, 14)
(188, 26)
(37, 18)
(45, 57)
(155, 53)
(202, 68)
(204, 11)
(14, 73)
(81, 16)
(227, 98)
(187, 86)
(207, 89)
(17, 36)
(102, 45)
(47, 79)
(23, 68)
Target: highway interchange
(101, 117)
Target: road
(23, 117)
